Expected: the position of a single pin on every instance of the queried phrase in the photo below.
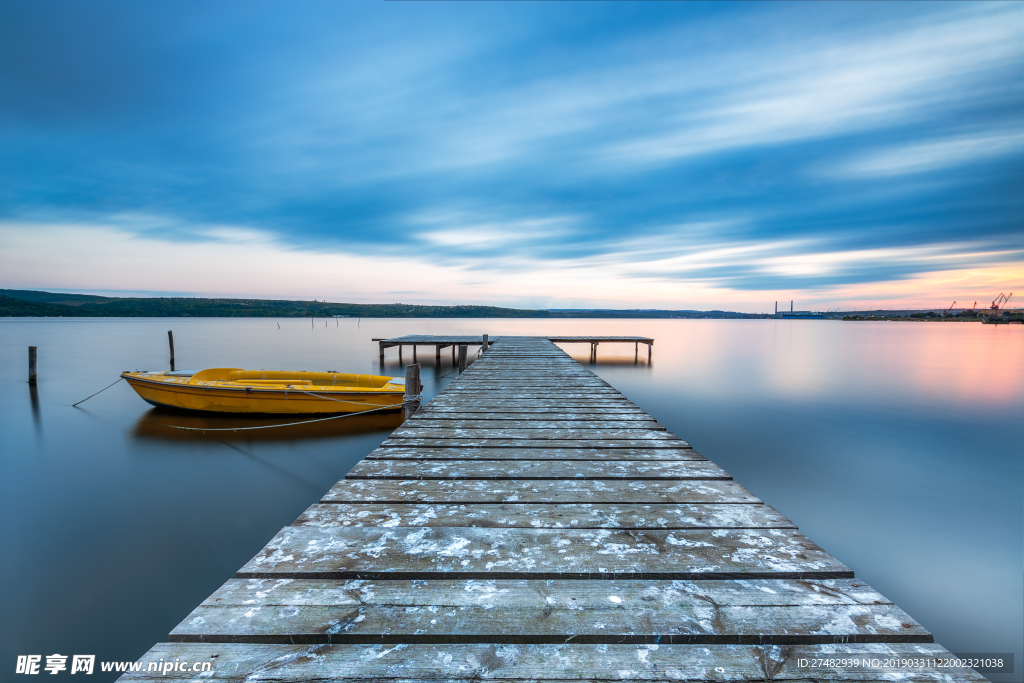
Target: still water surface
(895, 446)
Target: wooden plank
(501, 663)
(761, 612)
(622, 411)
(551, 376)
(528, 390)
(536, 491)
(502, 403)
(581, 434)
(419, 422)
(303, 552)
(545, 516)
(410, 442)
(535, 469)
(514, 370)
(566, 368)
(539, 416)
(601, 454)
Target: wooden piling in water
(170, 342)
(462, 358)
(32, 365)
(413, 390)
(485, 344)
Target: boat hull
(260, 400)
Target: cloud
(815, 88)
(250, 263)
(472, 233)
(932, 155)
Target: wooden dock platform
(440, 342)
(532, 524)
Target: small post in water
(484, 347)
(31, 365)
(170, 340)
(462, 358)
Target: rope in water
(74, 405)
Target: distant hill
(55, 298)
(28, 303)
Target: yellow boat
(232, 390)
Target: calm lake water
(895, 446)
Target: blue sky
(671, 155)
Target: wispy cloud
(815, 88)
(932, 155)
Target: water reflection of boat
(232, 390)
(171, 424)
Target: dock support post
(412, 390)
(31, 365)
(399, 354)
(485, 345)
(453, 354)
(382, 354)
(413, 353)
(462, 358)
(650, 345)
(437, 355)
(170, 340)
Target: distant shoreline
(15, 303)
(28, 303)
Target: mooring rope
(75, 405)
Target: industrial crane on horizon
(1000, 301)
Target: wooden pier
(532, 524)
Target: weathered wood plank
(422, 422)
(623, 412)
(500, 663)
(527, 371)
(410, 442)
(527, 391)
(600, 454)
(581, 434)
(521, 612)
(535, 469)
(545, 516)
(303, 552)
(500, 403)
(531, 377)
(537, 491)
(506, 417)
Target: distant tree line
(22, 303)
